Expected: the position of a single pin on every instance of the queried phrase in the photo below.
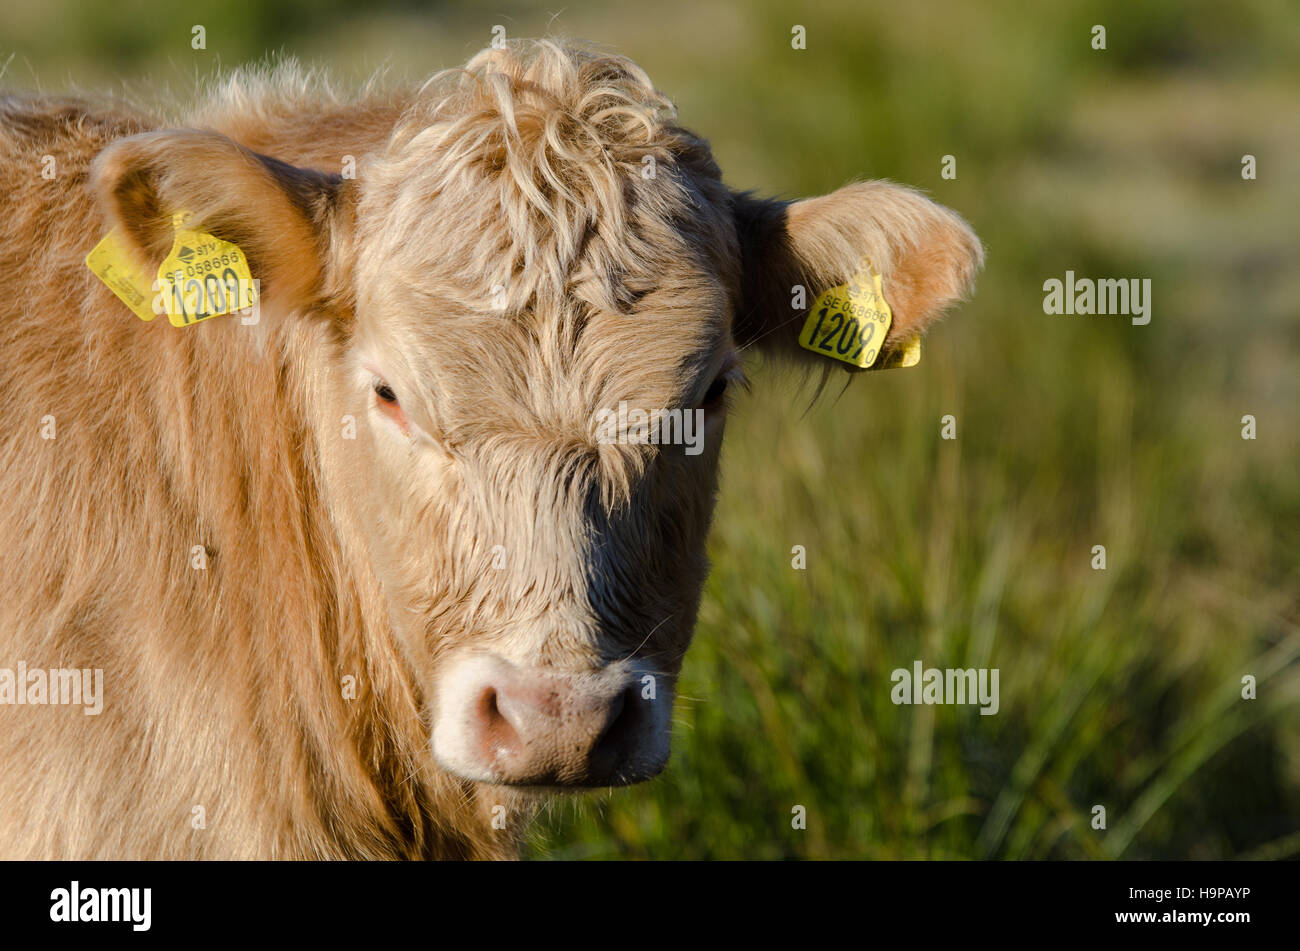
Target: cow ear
(284, 218)
(925, 254)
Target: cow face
(539, 294)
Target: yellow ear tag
(111, 263)
(848, 322)
(202, 277)
(909, 356)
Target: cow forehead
(543, 183)
(630, 304)
(477, 244)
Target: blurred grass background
(1118, 687)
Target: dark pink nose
(540, 727)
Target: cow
(359, 576)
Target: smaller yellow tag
(203, 277)
(909, 356)
(112, 264)
(848, 322)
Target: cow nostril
(621, 730)
(498, 732)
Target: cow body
(296, 606)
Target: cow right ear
(925, 255)
(287, 220)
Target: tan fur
(369, 557)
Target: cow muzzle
(495, 722)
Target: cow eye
(715, 391)
(386, 403)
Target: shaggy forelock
(535, 160)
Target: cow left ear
(925, 255)
(284, 218)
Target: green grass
(1120, 687)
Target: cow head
(536, 256)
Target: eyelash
(722, 384)
(715, 391)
